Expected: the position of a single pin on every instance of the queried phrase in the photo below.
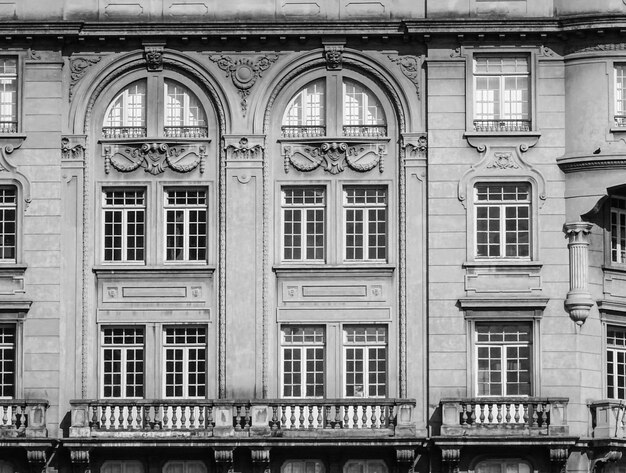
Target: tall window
(126, 115)
(184, 115)
(303, 223)
(124, 214)
(503, 363)
(358, 113)
(620, 95)
(123, 362)
(616, 362)
(501, 93)
(7, 361)
(365, 352)
(502, 220)
(186, 225)
(618, 230)
(365, 210)
(303, 361)
(8, 224)
(185, 362)
(8, 95)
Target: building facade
(312, 237)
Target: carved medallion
(334, 57)
(502, 161)
(334, 157)
(154, 58)
(155, 158)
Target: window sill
(369, 269)
(335, 139)
(616, 129)
(608, 268)
(475, 134)
(477, 304)
(153, 139)
(16, 268)
(104, 271)
(502, 264)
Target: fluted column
(578, 301)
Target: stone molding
(578, 301)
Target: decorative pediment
(155, 158)
(334, 157)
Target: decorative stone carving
(502, 161)
(7, 147)
(415, 145)
(155, 158)
(333, 53)
(578, 301)
(545, 51)
(600, 460)
(334, 157)
(34, 55)
(224, 459)
(450, 458)
(154, 57)
(244, 150)
(410, 67)
(584, 48)
(73, 147)
(244, 72)
(78, 68)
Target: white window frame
(11, 347)
(186, 236)
(502, 345)
(6, 206)
(616, 244)
(185, 347)
(185, 108)
(124, 350)
(10, 125)
(615, 350)
(365, 234)
(619, 112)
(503, 205)
(365, 346)
(304, 209)
(304, 372)
(124, 210)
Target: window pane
(303, 349)
(184, 115)
(305, 114)
(186, 225)
(126, 115)
(365, 213)
(124, 225)
(304, 223)
(360, 105)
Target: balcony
(123, 132)
(256, 418)
(23, 418)
(524, 416)
(303, 131)
(8, 127)
(607, 419)
(501, 125)
(365, 131)
(186, 131)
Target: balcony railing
(507, 416)
(607, 419)
(303, 131)
(124, 132)
(369, 417)
(501, 125)
(365, 131)
(186, 131)
(23, 418)
(620, 121)
(8, 127)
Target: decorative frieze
(334, 157)
(411, 67)
(246, 149)
(155, 158)
(78, 68)
(578, 301)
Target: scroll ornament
(155, 158)
(334, 157)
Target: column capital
(577, 232)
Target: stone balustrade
(284, 417)
(23, 418)
(607, 419)
(504, 416)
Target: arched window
(513, 465)
(155, 107)
(326, 107)
(302, 466)
(121, 467)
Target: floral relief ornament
(334, 157)
(244, 72)
(78, 68)
(155, 158)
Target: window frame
(186, 347)
(124, 372)
(19, 74)
(345, 346)
(303, 461)
(164, 189)
(366, 235)
(504, 316)
(123, 465)
(15, 372)
(303, 372)
(616, 125)
(365, 462)
(608, 234)
(186, 464)
(484, 459)
(470, 53)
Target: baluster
(183, 416)
(5, 417)
(158, 417)
(209, 418)
(94, 416)
(301, 416)
(310, 419)
(292, 417)
(337, 417)
(355, 416)
(525, 413)
(481, 407)
(320, 417)
(103, 417)
(535, 415)
(464, 415)
(14, 416)
(499, 408)
(328, 421)
(274, 418)
(129, 417)
(373, 416)
(544, 414)
(116, 416)
(145, 418)
(283, 418)
(201, 424)
(192, 417)
(246, 419)
(22, 417)
(516, 416)
(165, 416)
(507, 410)
(363, 416)
(346, 417)
(490, 413)
(472, 413)
(238, 419)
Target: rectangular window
(185, 362)
(304, 211)
(303, 361)
(365, 213)
(503, 359)
(501, 93)
(123, 362)
(186, 225)
(124, 213)
(8, 224)
(620, 95)
(7, 361)
(502, 220)
(365, 353)
(618, 230)
(8, 95)
(616, 362)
